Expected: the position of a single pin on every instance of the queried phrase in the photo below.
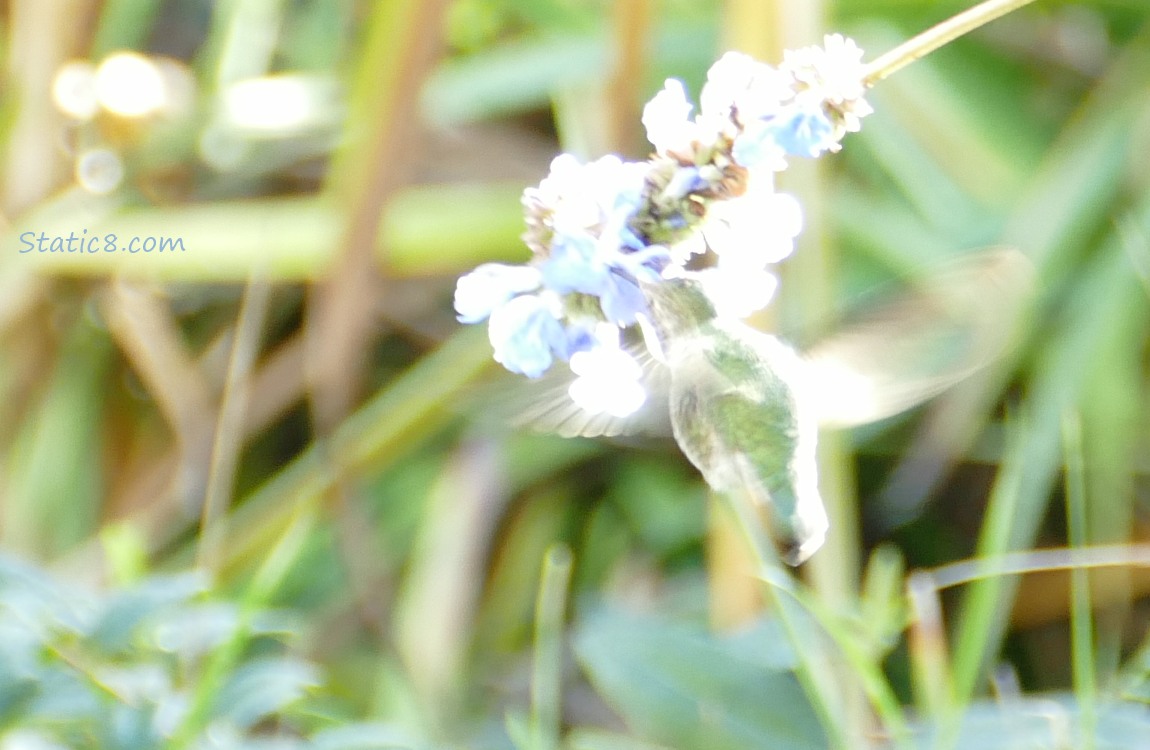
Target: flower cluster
(599, 232)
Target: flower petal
(490, 285)
(525, 333)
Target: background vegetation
(288, 407)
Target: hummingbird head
(678, 305)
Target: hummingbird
(745, 407)
(737, 414)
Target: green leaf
(36, 598)
(53, 470)
(262, 688)
(685, 688)
(366, 737)
(117, 626)
(1048, 722)
(16, 693)
(595, 739)
(518, 726)
(194, 631)
(515, 77)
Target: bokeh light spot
(74, 90)
(129, 85)
(99, 170)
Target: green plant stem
(397, 417)
(976, 633)
(1081, 616)
(547, 668)
(812, 667)
(810, 662)
(933, 681)
(227, 443)
(1021, 563)
(928, 41)
(263, 586)
(870, 675)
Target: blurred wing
(544, 405)
(911, 349)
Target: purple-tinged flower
(834, 71)
(491, 285)
(757, 148)
(685, 180)
(621, 300)
(580, 196)
(832, 76)
(601, 268)
(526, 334)
(600, 230)
(802, 131)
(748, 234)
(573, 264)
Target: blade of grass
(931, 678)
(547, 667)
(861, 664)
(1081, 619)
(123, 24)
(229, 433)
(391, 422)
(54, 478)
(1111, 414)
(979, 607)
(1102, 299)
(241, 41)
(989, 569)
(1067, 201)
(435, 607)
(812, 664)
(1035, 561)
(633, 30)
(39, 36)
(402, 40)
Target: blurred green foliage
(358, 156)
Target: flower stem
(813, 657)
(936, 36)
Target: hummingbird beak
(794, 516)
(797, 554)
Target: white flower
(760, 226)
(832, 74)
(527, 333)
(737, 290)
(836, 69)
(667, 119)
(575, 197)
(682, 251)
(489, 286)
(754, 89)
